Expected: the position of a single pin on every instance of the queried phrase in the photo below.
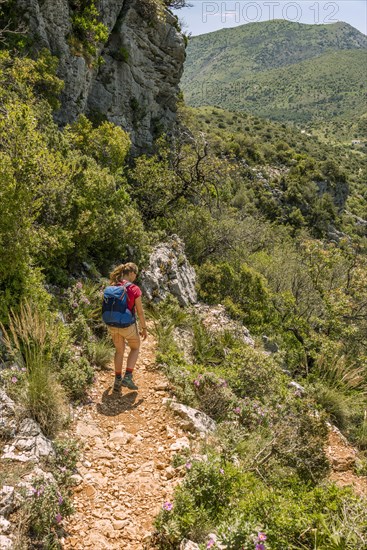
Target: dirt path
(126, 461)
(129, 439)
(342, 457)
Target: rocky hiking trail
(125, 474)
(128, 440)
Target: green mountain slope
(280, 70)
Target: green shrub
(214, 396)
(76, 376)
(108, 144)
(87, 29)
(43, 397)
(46, 510)
(243, 286)
(176, 369)
(242, 510)
(208, 348)
(65, 460)
(252, 374)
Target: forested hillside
(274, 222)
(281, 70)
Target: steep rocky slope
(135, 81)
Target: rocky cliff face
(135, 85)
(169, 272)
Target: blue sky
(205, 16)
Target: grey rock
(184, 339)
(137, 84)
(216, 320)
(40, 474)
(169, 272)
(194, 420)
(7, 415)
(335, 235)
(4, 526)
(30, 444)
(25, 488)
(7, 499)
(189, 545)
(180, 444)
(300, 390)
(5, 543)
(214, 538)
(269, 345)
(77, 479)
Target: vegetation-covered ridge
(281, 70)
(274, 223)
(260, 480)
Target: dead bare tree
(7, 28)
(177, 4)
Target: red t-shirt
(133, 292)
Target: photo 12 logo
(250, 12)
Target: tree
(177, 4)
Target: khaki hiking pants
(129, 334)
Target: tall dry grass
(32, 340)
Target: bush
(243, 286)
(108, 144)
(253, 375)
(88, 31)
(64, 463)
(46, 509)
(76, 376)
(243, 511)
(215, 397)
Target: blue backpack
(115, 312)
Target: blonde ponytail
(123, 269)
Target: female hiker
(129, 302)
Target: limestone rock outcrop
(169, 272)
(194, 420)
(7, 415)
(135, 81)
(30, 444)
(189, 545)
(216, 320)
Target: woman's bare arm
(142, 321)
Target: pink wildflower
(167, 506)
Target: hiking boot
(128, 382)
(117, 384)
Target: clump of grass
(336, 372)
(335, 403)
(100, 353)
(32, 340)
